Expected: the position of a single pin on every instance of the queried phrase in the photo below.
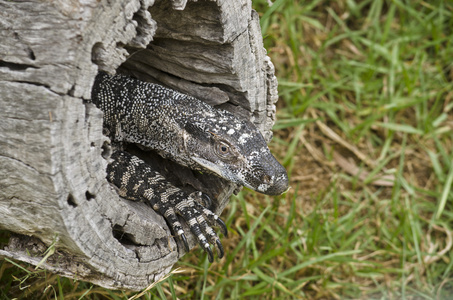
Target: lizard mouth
(214, 168)
(275, 184)
(279, 186)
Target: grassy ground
(365, 131)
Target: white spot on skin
(263, 187)
(241, 177)
(243, 138)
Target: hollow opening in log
(180, 176)
(106, 150)
(89, 196)
(71, 201)
(5, 236)
(125, 238)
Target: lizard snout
(276, 184)
(273, 179)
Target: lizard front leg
(136, 181)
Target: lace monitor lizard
(191, 133)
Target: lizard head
(236, 151)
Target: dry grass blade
(430, 258)
(354, 170)
(335, 137)
(151, 286)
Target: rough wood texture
(53, 191)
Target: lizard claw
(222, 226)
(184, 241)
(207, 202)
(208, 250)
(220, 251)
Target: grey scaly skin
(193, 134)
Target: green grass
(365, 130)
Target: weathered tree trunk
(53, 192)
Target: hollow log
(55, 204)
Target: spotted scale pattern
(191, 133)
(136, 181)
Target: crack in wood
(15, 66)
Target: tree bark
(53, 191)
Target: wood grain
(53, 191)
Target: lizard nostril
(266, 179)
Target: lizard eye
(223, 149)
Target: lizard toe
(212, 218)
